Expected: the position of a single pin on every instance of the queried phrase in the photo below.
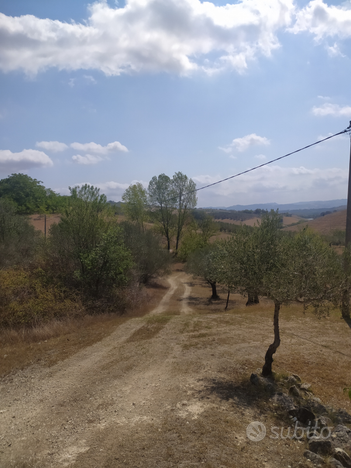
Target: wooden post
(45, 226)
(345, 307)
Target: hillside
(170, 388)
(325, 224)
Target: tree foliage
(18, 239)
(29, 195)
(185, 200)
(207, 263)
(162, 201)
(149, 258)
(86, 248)
(171, 201)
(135, 204)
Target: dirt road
(167, 390)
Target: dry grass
(57, 340)
(325, 224)
(38, 221)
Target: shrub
(27, 298)
(18, 239)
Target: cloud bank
(275, 183)
(176, 36)
(53, 146)
(26, 159)
(332, 109)
(98, 149)
(324, 21)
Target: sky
(111, 93)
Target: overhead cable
(270, 162)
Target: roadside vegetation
(90, 263)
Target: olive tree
(208, 263)
(304, 269)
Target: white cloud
(89, 79)
(176, 36)
(26, 159)
(54, 146)
(261, 157)
(98, 149)
(244, 143)
(275, 183)
(86, 159)
(324, 21)
(332, 109)
(113, 190)
(334, 51)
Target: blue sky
(110, 93)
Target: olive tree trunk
(214, 296)
(267, 368)
(252, 298)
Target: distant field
(38, 221)
(325, 224)
(287, 220)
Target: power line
(269, 162)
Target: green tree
(135, 204)
(304, 269)
(86, 248)
(185, 200)
(197, 235)
(28, 194)
(18, 239)
(162, 200)
(148, 256)
(254, 251)
(207, 263)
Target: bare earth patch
(171, 389)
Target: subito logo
(256, 431)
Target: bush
(18, 239)
(26, 299)
(149, 257)
(86, 248)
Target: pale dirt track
(160, 391)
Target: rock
(306, 386)
(322, 447)
(258, 380)
(291, 380)
(313, 457)
(297, 378)
(283, 400)
(334, 463)
(303, 415)
(324, 421)
(254, 379)
(343, 416)
(294, 391)
(315, 406)
(341, 437)
(342, 457)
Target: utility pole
(345, 307)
